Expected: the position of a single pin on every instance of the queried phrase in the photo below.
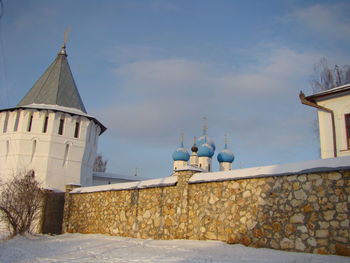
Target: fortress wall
(306, 212)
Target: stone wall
(305, 212)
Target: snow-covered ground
(100, 248)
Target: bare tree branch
(20, 203)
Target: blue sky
(150, 70)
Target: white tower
(50, 131)
(225, 158)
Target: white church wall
(225, 166)
(205, 163)
(340, 106)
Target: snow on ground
(100, 248)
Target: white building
(50, 132)
(334, 120)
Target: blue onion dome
(226, 156)
(205, 150)
(181, 154)
(205, 139)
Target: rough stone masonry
(303, 212)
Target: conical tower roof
(56, 86)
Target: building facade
(333, 107)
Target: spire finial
(205, 126)
(182, 139)
(226, 141)
(65, 40)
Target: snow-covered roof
(333, 91)
(167, 181)
(190, 168)
(275, 170)
(118, 176)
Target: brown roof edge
(326, 93)
(307, 101)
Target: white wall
(205, 163)
(46, 152)
(341, 106)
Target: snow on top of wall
(275, 170)
(167, 181)
(118, 176)
(55, 190)
(189, 168)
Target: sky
(151, 70)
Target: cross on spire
(182, 139)
(205, 126)
(226, 141)
(65, 40)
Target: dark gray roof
(56, 86)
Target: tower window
(6, 122)
(65, 157)
(347, 127)
(46, 121)
(15, 128)
(30, 122)
(7, 149)
(89, 132)
(77, 129)
(33, 150)
(61, 126)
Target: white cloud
(329, 20)
(160, 98)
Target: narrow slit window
(347, 127)
(61, 126)
(15, 128)
(7, 149)
(77, 129)
(46, 122)
(6, 122)
(30, 122)
(65, 157)
(96, 135)
(89, 132)
(33, 150)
